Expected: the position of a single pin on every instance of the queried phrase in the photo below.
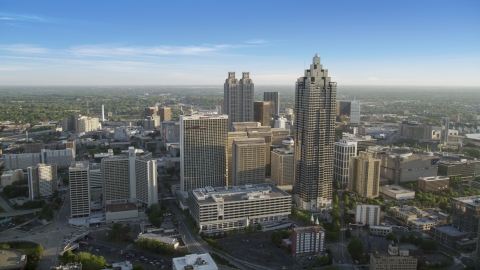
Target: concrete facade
(282, 173)
(8, 177)
(466, 213)
(42, 180)
(307, 241)
(343, 151)
(238, 99)
(397, 192)
(367, 214)
(434, 184)
(62, 158)
(261, 112)
(218, 209)
(203, 151)
(79, 189)
(248, 161)
(165, 113)
(364, 175)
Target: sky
(198, 42)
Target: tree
(65, 180)
(138, 267)
(355, 248)
(429, 245)
(276, 237)
(321, 260)
(348, 233)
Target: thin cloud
(256, 41)
(24, 48)
(95, 50)
(373, 79)
(12, 17)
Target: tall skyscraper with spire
(315, 102)
(238, 99)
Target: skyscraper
(274, 97)
(261, 112)
(248, 161)
(445, 127)
(364, 175)
(315, 102)
(355, 112)
(343, 150)
(42, 180)
(165, 113)
(79, 189)
(203, 151)
(131, 178)
(150, 111)
(238, 99)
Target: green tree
(321, 260)
(348, 233)
(138, 267)
(276, 237)
(355, 248)
(429, 245)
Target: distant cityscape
(243, 183)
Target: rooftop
(163, 239)
(195, 262)
(209, 195)
(451, 231)
(12, 259)
(470, 200)
(434, 178)
(120, 207)
(396, 189)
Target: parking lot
(258, 249)
(113, 253)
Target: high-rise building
(232, 136)
(79, 189)
(87, 124)
(203, 150)
(367, 214)
(165, 113)
(42, 180)
(364, 175)
(150, 112)
(261, 112)
(445, 127)
(343, 150)
(315, 102)
(466, 213)
(415, 130)
(248, 161)
(355, 112)
(282, 164)
(238, 99)
(131, 178)
(308, 240)
(274, 97)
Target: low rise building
(407, 213)
(396, 258)
(8, 177)
(218, 209)
(380, 230)
(165, 240)
(367, 214)
(121, 211)
(452, 236)
(466, 213)
(434, 184)
(194, 262)
(397, 192)
(458, 166)
(308, 241)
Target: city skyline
(374, 43)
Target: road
(56, 234)
(5, 205)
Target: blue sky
(198, 42)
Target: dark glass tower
(315, 109)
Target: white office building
(42, 180)
(367, 214)
(218, 209)
(342, 152)
(131, 177)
